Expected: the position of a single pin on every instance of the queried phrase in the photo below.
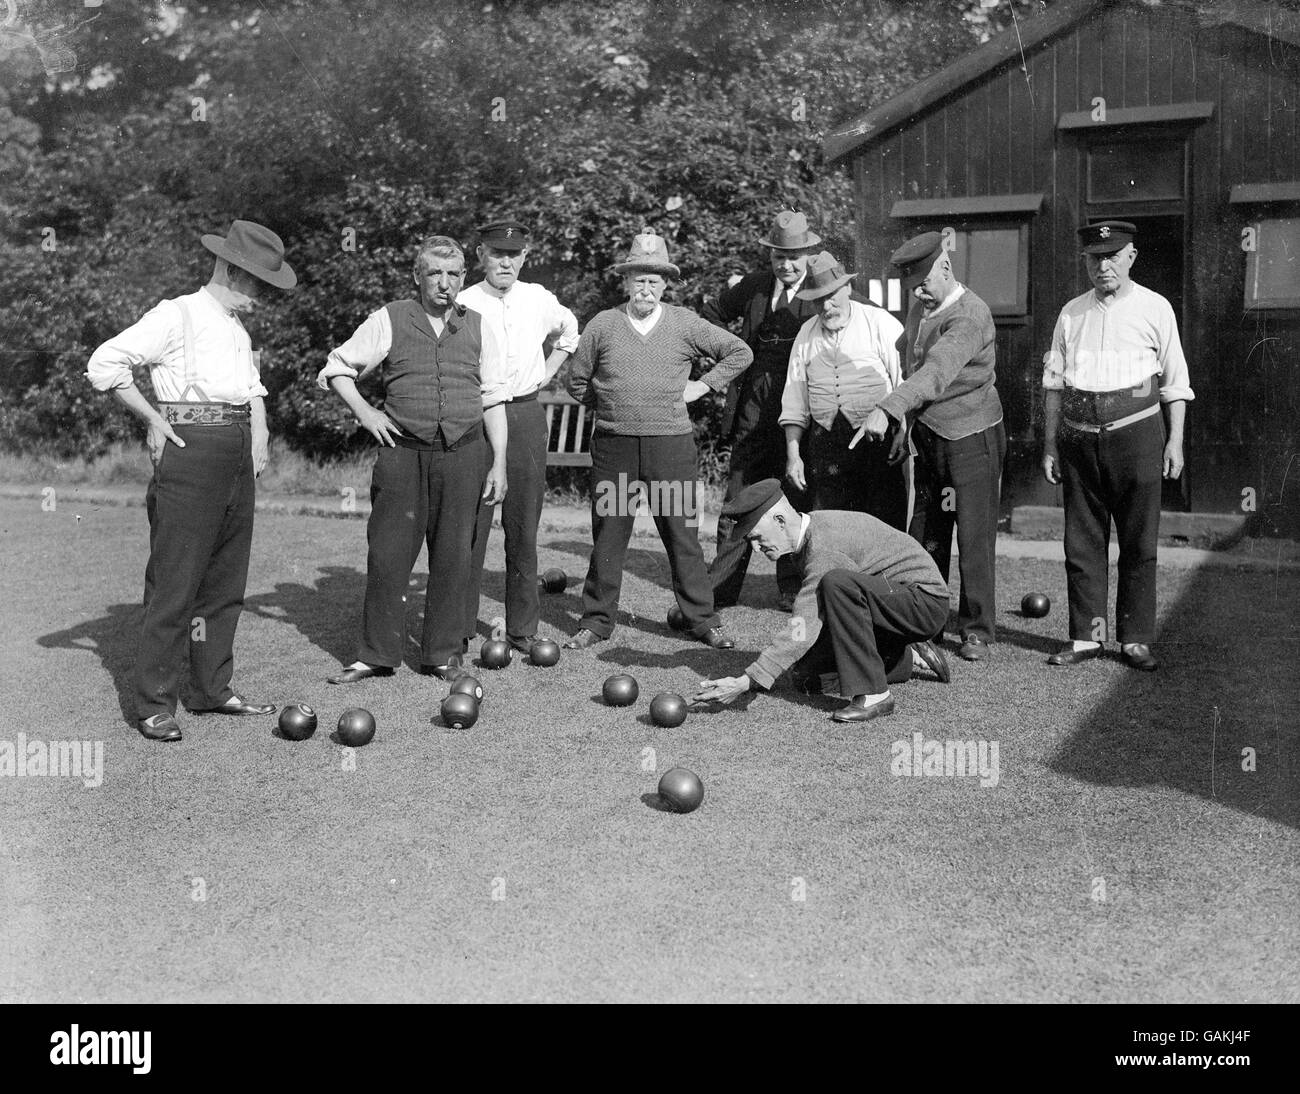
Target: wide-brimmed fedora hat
(790, 233)
(256, 249)
(825, 274)
(649, 254)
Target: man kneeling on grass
(870, 599)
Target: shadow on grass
(327, 612)
(1219, 719)
(113, 638)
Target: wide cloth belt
(439, 443)
(204, 413)
(1104, 407)
(1118, 423)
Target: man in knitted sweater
(633, 366)
(871, 599)
(950, 400)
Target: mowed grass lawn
(1124, 855)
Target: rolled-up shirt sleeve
(1054, 358)
(142, 343)
(494, 375)
(362, 353)
(562, 324)
(1175, 383)
(794, 400)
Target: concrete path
(1268, 555)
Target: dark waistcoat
(433, 383)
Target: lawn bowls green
(1035, 605)
(668, 709)
(466, 684)
(620, 690)
(554, 581)
(459, 711)
(545, 653)
(297, 722)
(681, 790)
(495, 653)
(356, 727)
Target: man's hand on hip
(160, 432)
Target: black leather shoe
(522, 643)
(452, 669)
(240, 708)
(855, 712)
(1140, 658)
(973, 648)
(716, 638)
(582, 640)
(784, 602)
(932, 657)
(1071, 656)
(351, 676)
(160, 727)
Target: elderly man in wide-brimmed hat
(207, 439)
(633, 366)
(771, 312)
(843, 363)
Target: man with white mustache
(633, 366)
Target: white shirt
(646, 325)
(225, 367)
(830, 361)
(365, 351)
(780, 290)
(1117, 342)
(522, 318)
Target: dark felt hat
(504, 235)
(256, 249)
(747, 508)
(648, 254)
(825, 275)
(790, 233)
(915, 258)
(1106, 236)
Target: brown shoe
(716, 638)
(583, 639)
(351, 676)
(1071, 656)
(973, 648)
(1138, 656)
(856, 712)
(160, 727)
(239, 707)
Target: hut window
(994, 261)
(1148, 170)
(1273, 267)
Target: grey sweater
(636, 381)
(839, 540)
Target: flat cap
(1106, 236)
(747, 508)
(504, 235)
(916, 258)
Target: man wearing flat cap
(771, 312)
(442, 453)
(633, 366)
(1115, 359)
(844, 362)
(208, 441)
(952, 403)
(523, 316)
(870, 600)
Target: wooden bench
(568, 430)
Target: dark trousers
(521, 513)
(869, 622)
(200, 506)
(859, 479)
(1115, 474)
(757, 453)
(418, 496)
(668, 466)
(958, 481)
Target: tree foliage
(590, 119)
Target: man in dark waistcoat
(443, 379)
(771, 314)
